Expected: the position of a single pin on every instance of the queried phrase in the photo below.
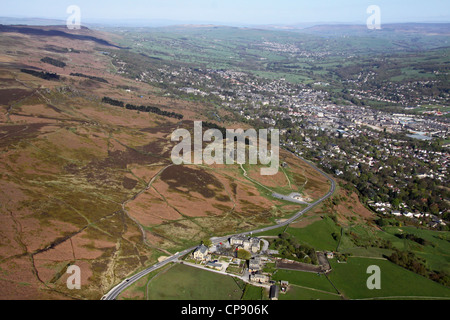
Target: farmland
(181, 282)
(270, 53)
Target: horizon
(230, 13)
(162, 23)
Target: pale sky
(234, 11)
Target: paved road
(114, 293)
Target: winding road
(114, 293)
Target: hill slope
(87, 183)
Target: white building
(201, 253)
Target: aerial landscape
(327, 178)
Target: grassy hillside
(351, 277)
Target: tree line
(410, 261)
(150, 109)
(53, 62)
(42, 75)
(89, 77)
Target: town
(396, 156)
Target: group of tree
(113, 102)
(89, 77)
(42, 74)
(410, 261)
(150, 109)
(290, 248)
(414, 238)
(53, 62)
(243, 254)
(156, 110)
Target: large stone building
(247, 243)
(254, 265)
(201, 253)
(259, 278)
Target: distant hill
(31, 21)
(55, 31)
(412, 28)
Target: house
(260, 278)
(201, 253)
(237, 241)
(396, 213)
(254, 265)
(214, 265)
(252, 244)
(274, 292)
(249, 244)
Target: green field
(317, 234)
(298, 293)
(187, 283)
(182, 282)
(304, 279)
(250, 50)
(254, 293)
(351, 277)
(435, 252)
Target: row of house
(247, 243)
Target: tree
(244, 254)
(396, 203)
(207, 243)
(284, 236)
(434, 209)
